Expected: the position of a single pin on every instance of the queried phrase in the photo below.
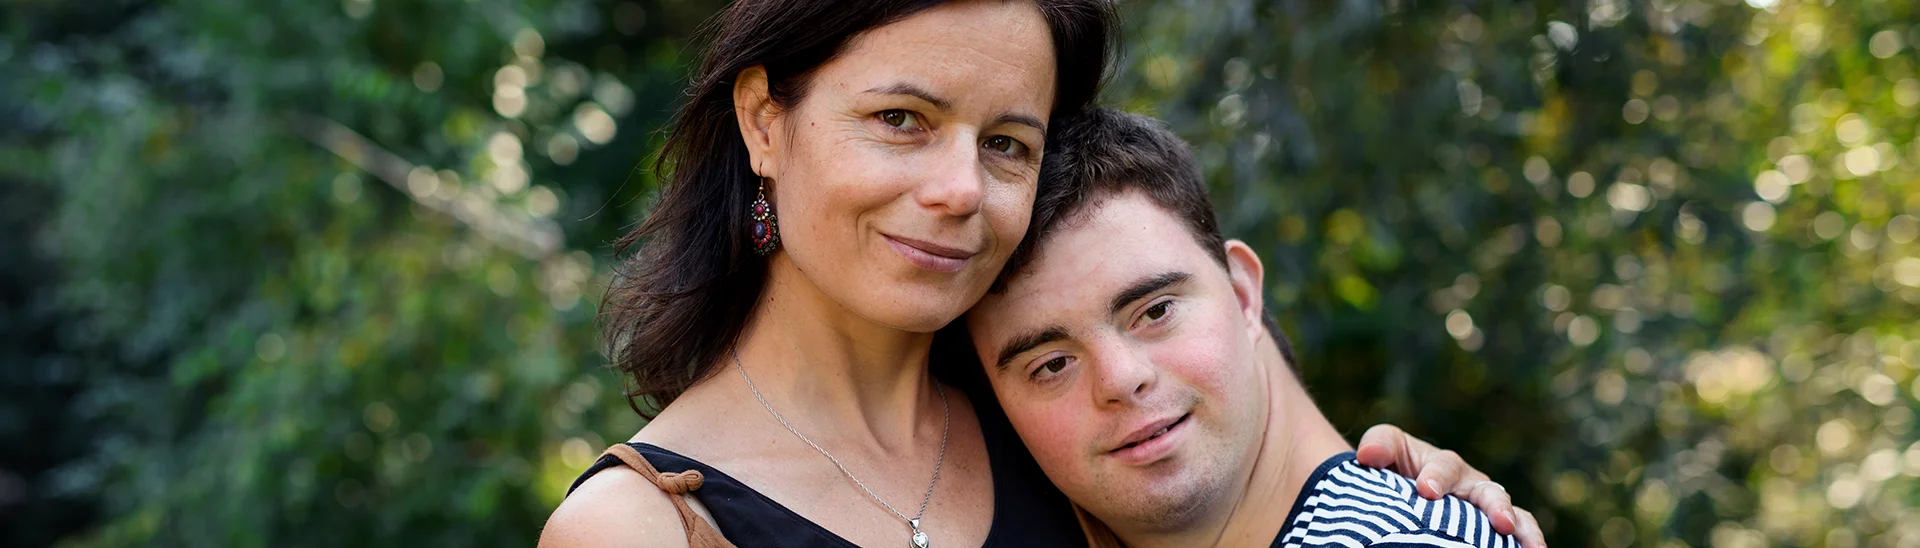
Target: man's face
(1124, 356)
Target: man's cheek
(1204, 364)
(1052, 435)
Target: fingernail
(1434, 486)
(1512, 520)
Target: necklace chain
(945, 422)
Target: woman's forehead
(997, 53)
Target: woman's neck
(850, 375)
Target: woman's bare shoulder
(686, 426)
(616, 507)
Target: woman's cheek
(1009, 210)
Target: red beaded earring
(766, 226)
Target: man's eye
(1158, 311)
(899, 119)
(1049, 369)
(1054, 365)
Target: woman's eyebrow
(1022, 119)
(903, 88)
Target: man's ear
(1248, 277)
(754, 109)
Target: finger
(1440, 471)
(1527, 530)
(1470, 479)
(1492, 498)
(1384, 446)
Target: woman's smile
(928, 255)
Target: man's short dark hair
(1102, 153)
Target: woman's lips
(929, 255)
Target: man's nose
(1122, 375)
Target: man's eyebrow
(1145, 287)
(1027, 342)
(903, 88)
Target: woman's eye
(1158, 311)
(1003, 144)
(899, 119)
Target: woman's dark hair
(677, 305)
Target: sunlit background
(325, 273)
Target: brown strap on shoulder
(700, 534)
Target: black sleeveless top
(1027, 509)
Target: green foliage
(1651, 264)
(325, 273)
(288, 332)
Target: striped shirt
(1346, 504)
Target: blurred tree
(1650, 263)
(309, 286)
(38, 422)
(326, 273)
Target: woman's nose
(957, 183)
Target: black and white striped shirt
(1346, 504)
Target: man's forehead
(1103, 248)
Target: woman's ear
(1248, 277)
(754, 109)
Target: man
(1128, 344)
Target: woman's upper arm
(616, 507)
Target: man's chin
(1152, 498)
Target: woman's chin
(907, 301)
(908, 311)
(925, 319)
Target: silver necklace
(919, 537)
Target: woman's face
(905, 176)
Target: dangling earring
(766, 226)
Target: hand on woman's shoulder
(616, 507)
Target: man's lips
(1149, 432)
(929, 255)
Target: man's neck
(1297, 440)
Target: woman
(845, 179)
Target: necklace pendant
(919, 538)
